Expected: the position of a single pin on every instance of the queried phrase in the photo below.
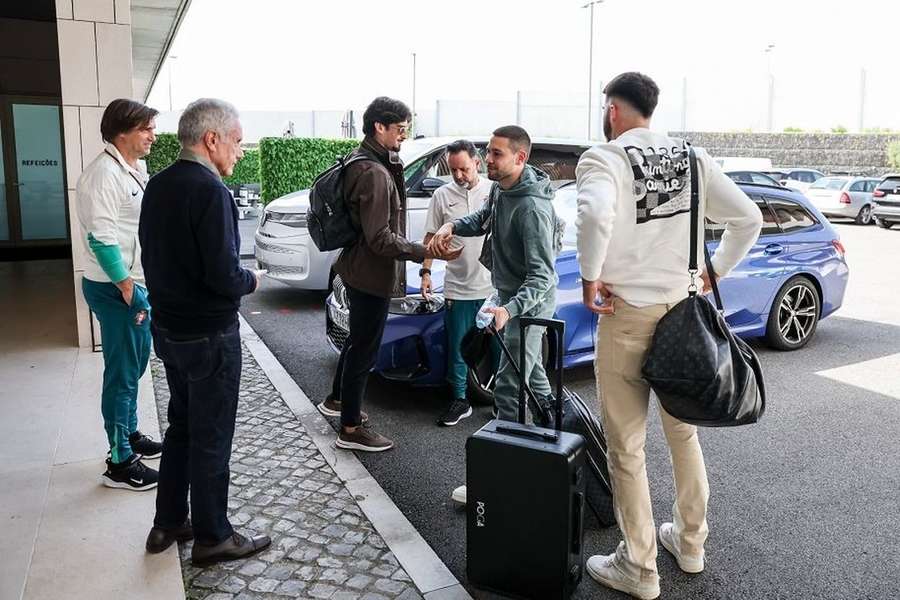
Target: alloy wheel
(797, 314)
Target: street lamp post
(172, 58)
(771, 103)
(413, 124)
(591, 63)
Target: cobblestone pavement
(323, 546)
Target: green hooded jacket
(522, 230)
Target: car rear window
(829, 183)
(769, 227)
(791, 216)
(889, 184)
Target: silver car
(886, 202)
(844, 197)
(283, 245)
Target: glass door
(33, 209)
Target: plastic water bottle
(483, 319)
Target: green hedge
(893, 155)
(163, 153)
(166, 149)
(246, 170)
(290, 164)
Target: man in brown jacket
(372, 269)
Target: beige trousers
(622, 341)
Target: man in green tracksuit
(520, 223)
(108, 205)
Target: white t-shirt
(465, 278)
(634, 201)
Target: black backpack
(328, 217)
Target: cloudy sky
(338, 54)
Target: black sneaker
(130, 475)
(457, 411)
(145, 445)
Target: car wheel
(884, 224)
(865, 215)
(794, 315)
(480, 382)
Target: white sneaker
(607, 570)
(688, 564)
(459, 495)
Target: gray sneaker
(332, 408)
(364, 438)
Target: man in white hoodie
(633, 245)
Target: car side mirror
(430, 184)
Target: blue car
(792, 277)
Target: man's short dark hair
(463, 146)
(518, 138)
(386, 111)
(123, 115)
(636, 89)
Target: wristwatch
(423, 271)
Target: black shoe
(130, 475)
(233, 548)
(542, 411)
(145, 445)
(458, 410)
(159, 539)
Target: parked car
(793, 276)
(743, 163)
(844, 197)
(886, 201)
(752, 177)
(797, 179)
(283, 245)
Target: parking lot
(803, 504)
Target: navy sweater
(190, 250)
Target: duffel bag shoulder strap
(695, 233)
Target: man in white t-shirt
(467, 284)
(633, 245)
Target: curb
(427, 571)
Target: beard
(607, 127)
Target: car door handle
(773, 249)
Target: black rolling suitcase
(525, 500)
(578, 418)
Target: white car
(283, 245)
(796, 179)
(844, 197)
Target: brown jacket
(376, 195)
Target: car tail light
(845, 198)
(839, 247)
(878, 194)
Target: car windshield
(829, 183)
(889, 184)
(565, 202)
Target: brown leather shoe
(159, 539)
(363, 438)
(233, 548)
(332, 408)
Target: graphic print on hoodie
(661, 181)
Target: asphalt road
(804, 504)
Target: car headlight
(414, 304)
(289, 219)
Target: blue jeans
(126, 350)
(204, 375)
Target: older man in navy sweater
(190, 240)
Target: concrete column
(95, 68)
(437, 118)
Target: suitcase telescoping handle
(557, 328)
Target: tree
(893, 155)
(793, 130)
(839, 129)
